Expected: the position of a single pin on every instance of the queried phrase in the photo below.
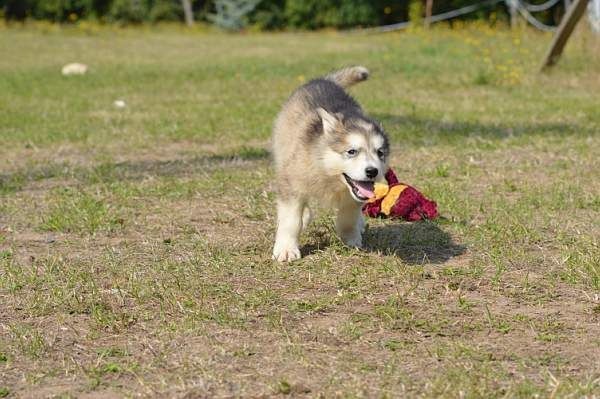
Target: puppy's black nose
(371, 172)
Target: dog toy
(399, 200)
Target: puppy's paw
(353, 241)
(286, 253)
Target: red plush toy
(398, 200)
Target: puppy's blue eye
(352, 152)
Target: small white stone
(74, 68)
(119, 103)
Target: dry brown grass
(135, 245)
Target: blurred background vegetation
(253, 14)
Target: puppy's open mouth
(361, 189)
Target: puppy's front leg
(289, 225)
(350, 223)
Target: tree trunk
(187, 12)
(428, 10)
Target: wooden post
(568, 23)
(187, 12)
(428, 10)
(512, 8)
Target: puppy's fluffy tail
(349, 76)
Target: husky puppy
(325, 149)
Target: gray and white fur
(325, 149)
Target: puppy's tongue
(365, 188)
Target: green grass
(135, 243)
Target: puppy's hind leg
(306, 217)
(289, 225)
(350, 223)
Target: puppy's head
(356, 150)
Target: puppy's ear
(331, 123)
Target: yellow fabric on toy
(380, 190)
(390, 198)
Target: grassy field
(135, 243)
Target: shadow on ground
(440, 129)
(132, 170)
(415, 243)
